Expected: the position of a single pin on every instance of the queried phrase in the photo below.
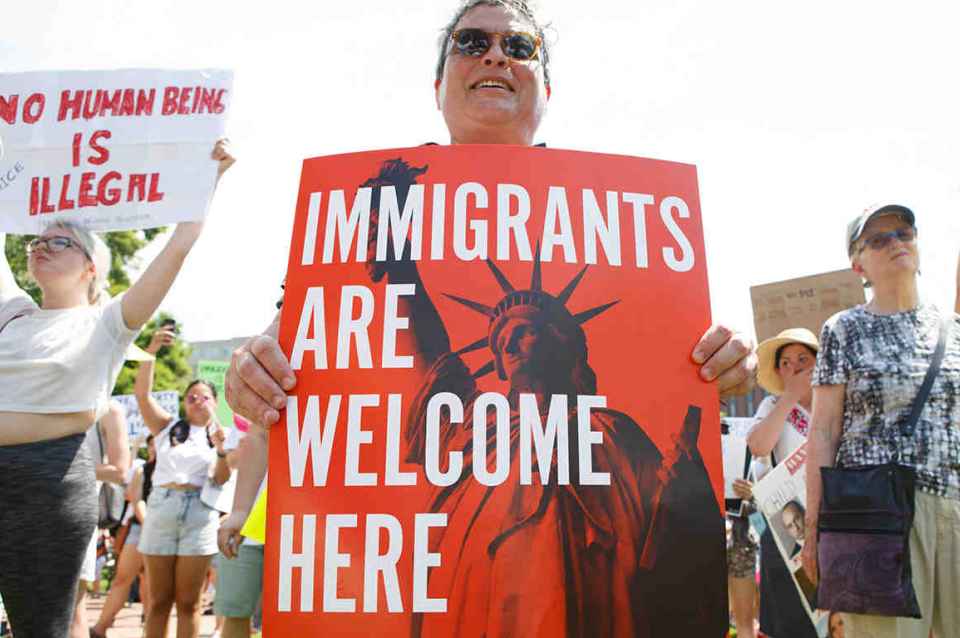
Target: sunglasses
(514, 44)
(54, 244)
(882, 240)
(197, 398)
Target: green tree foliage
(172, 371)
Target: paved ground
(127, 624)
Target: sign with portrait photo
(781, 496)
(497, 428)
(110, 150)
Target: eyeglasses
(514, 44)
(197, 398)
(55, 244)
(882, 240)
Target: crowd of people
(845, 393)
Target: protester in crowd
(786, 363)
(58, 363)
(239, 570)
(179, 537)
(109, 446)
(130, 561)
(870, 370)
(488, 45)
(742, 564)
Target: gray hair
(97, 251)
(520, 7)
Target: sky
(797, 117)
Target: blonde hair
(99, 254)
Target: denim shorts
(179, 524)
(239, 582)
(133, 536)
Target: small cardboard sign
(805, 302)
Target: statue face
(793, 522)
(522, 348)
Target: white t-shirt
(793, 435)
(183, 463)
(58, 361)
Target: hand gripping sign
(111, 150)
(497, 428)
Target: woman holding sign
(58, 364)
(783, 421)
(492, 87)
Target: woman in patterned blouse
(872, 361)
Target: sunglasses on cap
(880, 241)
(54, 244)
(514, 44)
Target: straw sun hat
(767, 375)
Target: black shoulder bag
(866, 513)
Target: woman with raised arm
(58, 364)
(179, 538)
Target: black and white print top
(882, 360)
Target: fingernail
(279, 402)
(707, 373)
(289, 382)
(698, 356)
(270, 417)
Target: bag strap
(928, 380)
(100, 451)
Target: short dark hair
(213, 388)
(800, 509)
(520, 7)
(779, 353)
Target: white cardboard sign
(112, 150)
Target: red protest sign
(553, 297)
